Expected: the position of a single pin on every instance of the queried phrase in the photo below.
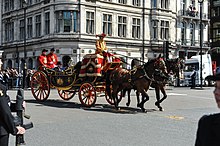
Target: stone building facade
(134, 28)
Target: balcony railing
(192, 14)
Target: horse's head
(159, 64)
(155, 65)
(174, 66)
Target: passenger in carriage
(101, 48)
(42, 59)
(59, 67)
(52, 59)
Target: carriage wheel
(110, 100)
(87, 95)
(66, 95)
(40, 87)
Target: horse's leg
(129, 97)
(157, 91)
(114, 94)
(162, 89)
(145, 98)
(138, 98)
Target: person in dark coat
(208, 132)
(7, 125)
(193, 79)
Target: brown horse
(139, 78)
(173, 65)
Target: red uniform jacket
(51, 60)
(42, 59)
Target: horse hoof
(143, 110)
(161, 109)
(127, 104)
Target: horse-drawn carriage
(86, 77)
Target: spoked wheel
(110, 100)
(66, 94)
(87, 95)
(40, 87)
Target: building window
(21, 27)
(183, 33)
(29, 2)
(107, 24)
(136, 3)
(216, 32)
(192, 34)
(90, 22)
(122, 24)
(75, 21)
(164, 4)
(155, 29)
(136, 26)
(38, 25)
(122, 1)
(9, 31)
(164, 30)
(47, 23)
(154, 3)
(67, 21)
(29, 28)
(46, 1)
(9, 5)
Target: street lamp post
(24, 4)
(201, 39)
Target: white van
(194, 63)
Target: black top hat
(59, 63)
(215, 77)
(52, 49)
(44, 50)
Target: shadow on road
(97, 107)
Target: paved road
(66, 123)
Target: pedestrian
(208, 132)
(42, 59)
(7, 125)
(52, 59)
(193, 79)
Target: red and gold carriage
(88, 80)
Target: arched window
(192, 34)
(183, 33)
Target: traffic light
(167, 46)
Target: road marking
(175, 117)
(176, 94)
